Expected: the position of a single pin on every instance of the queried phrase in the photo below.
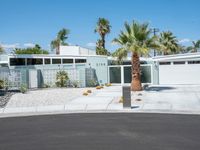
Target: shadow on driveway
(159, 88)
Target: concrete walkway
(162, 99)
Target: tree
(103, 28)
(1, 50)
(60, 39)
(99, 49)
(34, 50)
(169, 43)
(137, 40)
(195, 46)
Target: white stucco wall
(69, 50)
(76, 50)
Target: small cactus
(98, 87)
(85, 93)
(89, 91)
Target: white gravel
(45, 97)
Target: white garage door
(179, 74)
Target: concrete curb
(34, 111)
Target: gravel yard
(44, 97)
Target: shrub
(121, 99)
(85, 93)
(75, 84)
(46, 85)
(92, 83)
(1, 84)
(89, 91)
(61, 78)
(98, 87)
(23, 88)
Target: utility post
(154, 30)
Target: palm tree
(103, 27)
(195, 46)
(137, 40)
(169, 43)
(61, 37)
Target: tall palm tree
(195, 46)
(137, 40)
(103, 27)
(61, 37)
(169, 43)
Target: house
(84, 65)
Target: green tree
(60, 39)
(137, 40)
(103, 28)
(34, 50)
(1, 50)
(195, 46)
(169, 43)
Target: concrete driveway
(168, 98)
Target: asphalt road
(101, 132)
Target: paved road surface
(101, 132)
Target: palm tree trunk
(136, 75)
(103, 41)
(58, 50)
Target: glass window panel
(115, 74)
(17, 61)
(67, 61)
(56, 61)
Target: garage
(179, 70)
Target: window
(47, 61)
(34, 61)
(126, 63)
(193, 62)
(164, 63)
(179, 62)
(17, 61)
(80, 60)
(67, 61)
(56, 61)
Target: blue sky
(24, 22)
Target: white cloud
(10, 46)
(91, 44)
(184, 41)
(30, 45)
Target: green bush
(61, 78)
(23, 88)
(1, 84)
(76, 84)
(92, 83)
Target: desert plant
(92, 83)
(46, 85)
(98, 87)
(75, 84)
(85, 93)
(61, 78)
(1, 84)
(121, 99)
(23, 88)
(89, 91)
